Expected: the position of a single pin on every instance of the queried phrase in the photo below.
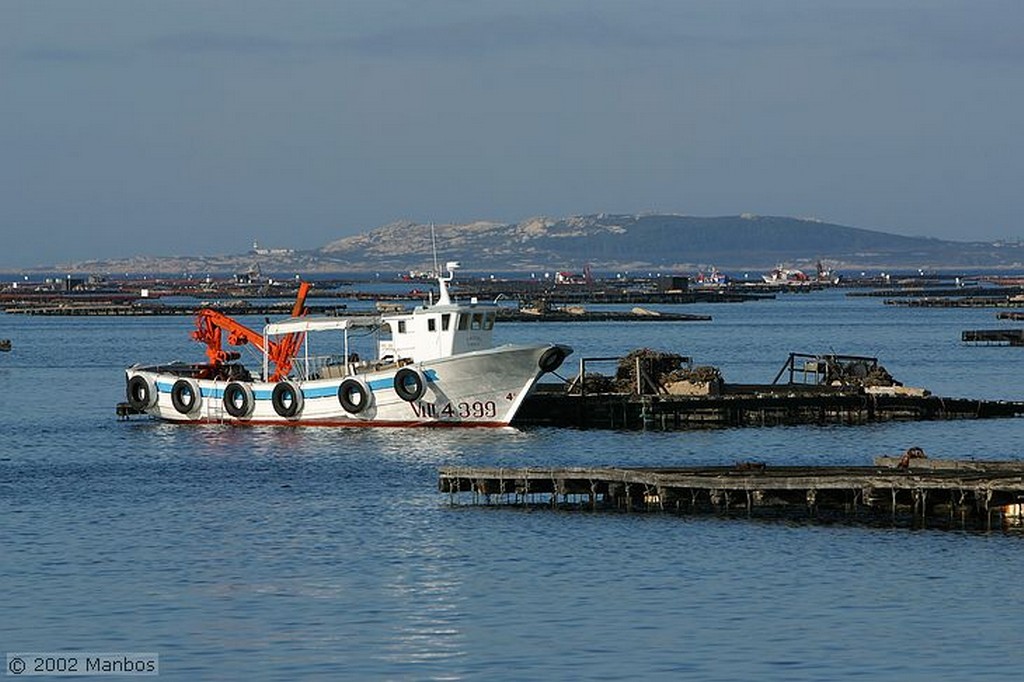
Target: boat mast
(433, 248)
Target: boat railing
(321, 367)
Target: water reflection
(270, 553)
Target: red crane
(210, 325)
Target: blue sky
(137, 127)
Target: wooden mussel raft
(897, 491)
(1009, 337)
(652, 390)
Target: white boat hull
(480, 388)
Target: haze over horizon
(194, 127)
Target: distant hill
(606, 242)
(630, 242)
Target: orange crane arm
(210, 325)
(284, 351)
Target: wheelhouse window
(477, 321)
(446, 320)
(432, 324)
(401, 326)
(488, 321)
(463, 322)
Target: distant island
(605, 242)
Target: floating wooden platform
(759, 405)
(144, 310)
(976, 496)
(943, 293)
(1012, 337)
(135, 309)
(597, 316)
(612, 293)
(965, 302)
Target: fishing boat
(792, 276)
(712, 278)
(435, 365)
(788, 276)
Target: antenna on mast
(442, 282)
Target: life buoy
(354, 396)
(409, 384)
(551, 359)
(238, 400)
(185, 396)
(141, 393)
(287, 399)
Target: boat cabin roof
(444, 306)
(318, 324)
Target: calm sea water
(316, 553)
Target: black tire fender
(354, 395)
(186, 396)
(551, 359)
(410, 384)
(287, 399)
(239, 401)
(141, 393)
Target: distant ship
(792, 276)
(712, 278)
(781, 275)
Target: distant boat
(712, 278)
(826, 275)
(793, 277)
(781, 275)
(5, 344)
(434, 366)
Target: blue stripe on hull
(321, 392)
